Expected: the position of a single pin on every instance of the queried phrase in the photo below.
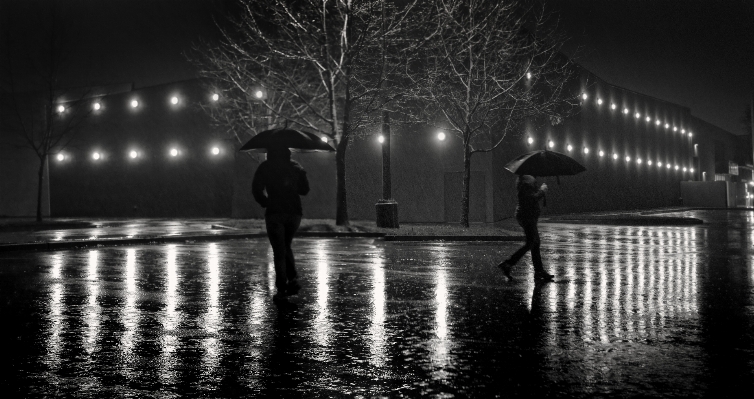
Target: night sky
(699, 54)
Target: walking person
(284, 181)
(527, 215)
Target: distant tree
(37, 114)
(487, 66)
(319, 65)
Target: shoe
(505, 267)
(279, 297)
(543, 276)
(293, 287)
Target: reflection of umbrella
(544, 163)
(296, 140)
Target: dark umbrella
(545, 163)
(296, 140)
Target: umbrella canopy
(544, 163)
(296, 140)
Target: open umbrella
(544, 163)
(296, 140)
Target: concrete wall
(194, 183)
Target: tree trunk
(40, 180)
(466, 181)
(341, 208)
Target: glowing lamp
(215, 150)
(215, 97)
(441, 136)
(324, 139)
(602, 153)
(628, 159)
(657, 122)
(613, 106)
(381, 138)
(691, 170)
(530, 140)
(615, 156)
(684, 169)
(586, 150)
(96, 106)
(649, 162)
(625, 110)
(133, 154)
(96, 156)
(638, 160)
(667, 165)
(683, 131)
(61, 108)
(134, 104)
(637, 115)
(528, 75)
(649, 119)
(174, 100)
(599, 101)
(551, 144)
(259, 94)
(569, 148)
(676, 167)
(61, 157)
(584, 96)
(690, 134)
(173, 152)
(675, 129)
(659, 164)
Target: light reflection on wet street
(634, 311)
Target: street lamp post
(387, 207)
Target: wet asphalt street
(634, 311)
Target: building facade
(154, 152)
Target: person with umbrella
(527, 215)
(284, 181)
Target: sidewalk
(57, 233)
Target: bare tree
(36, 112)
(319, 65)
(487, 66)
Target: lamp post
(387, 207)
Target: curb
(455, 238)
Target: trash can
(387, 213)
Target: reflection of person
(527, 215)
(283, 180)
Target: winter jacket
(284, 181)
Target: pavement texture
(634, 311)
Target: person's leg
(276, 235)
(506, 265)
(539, 271)
(291, 226)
